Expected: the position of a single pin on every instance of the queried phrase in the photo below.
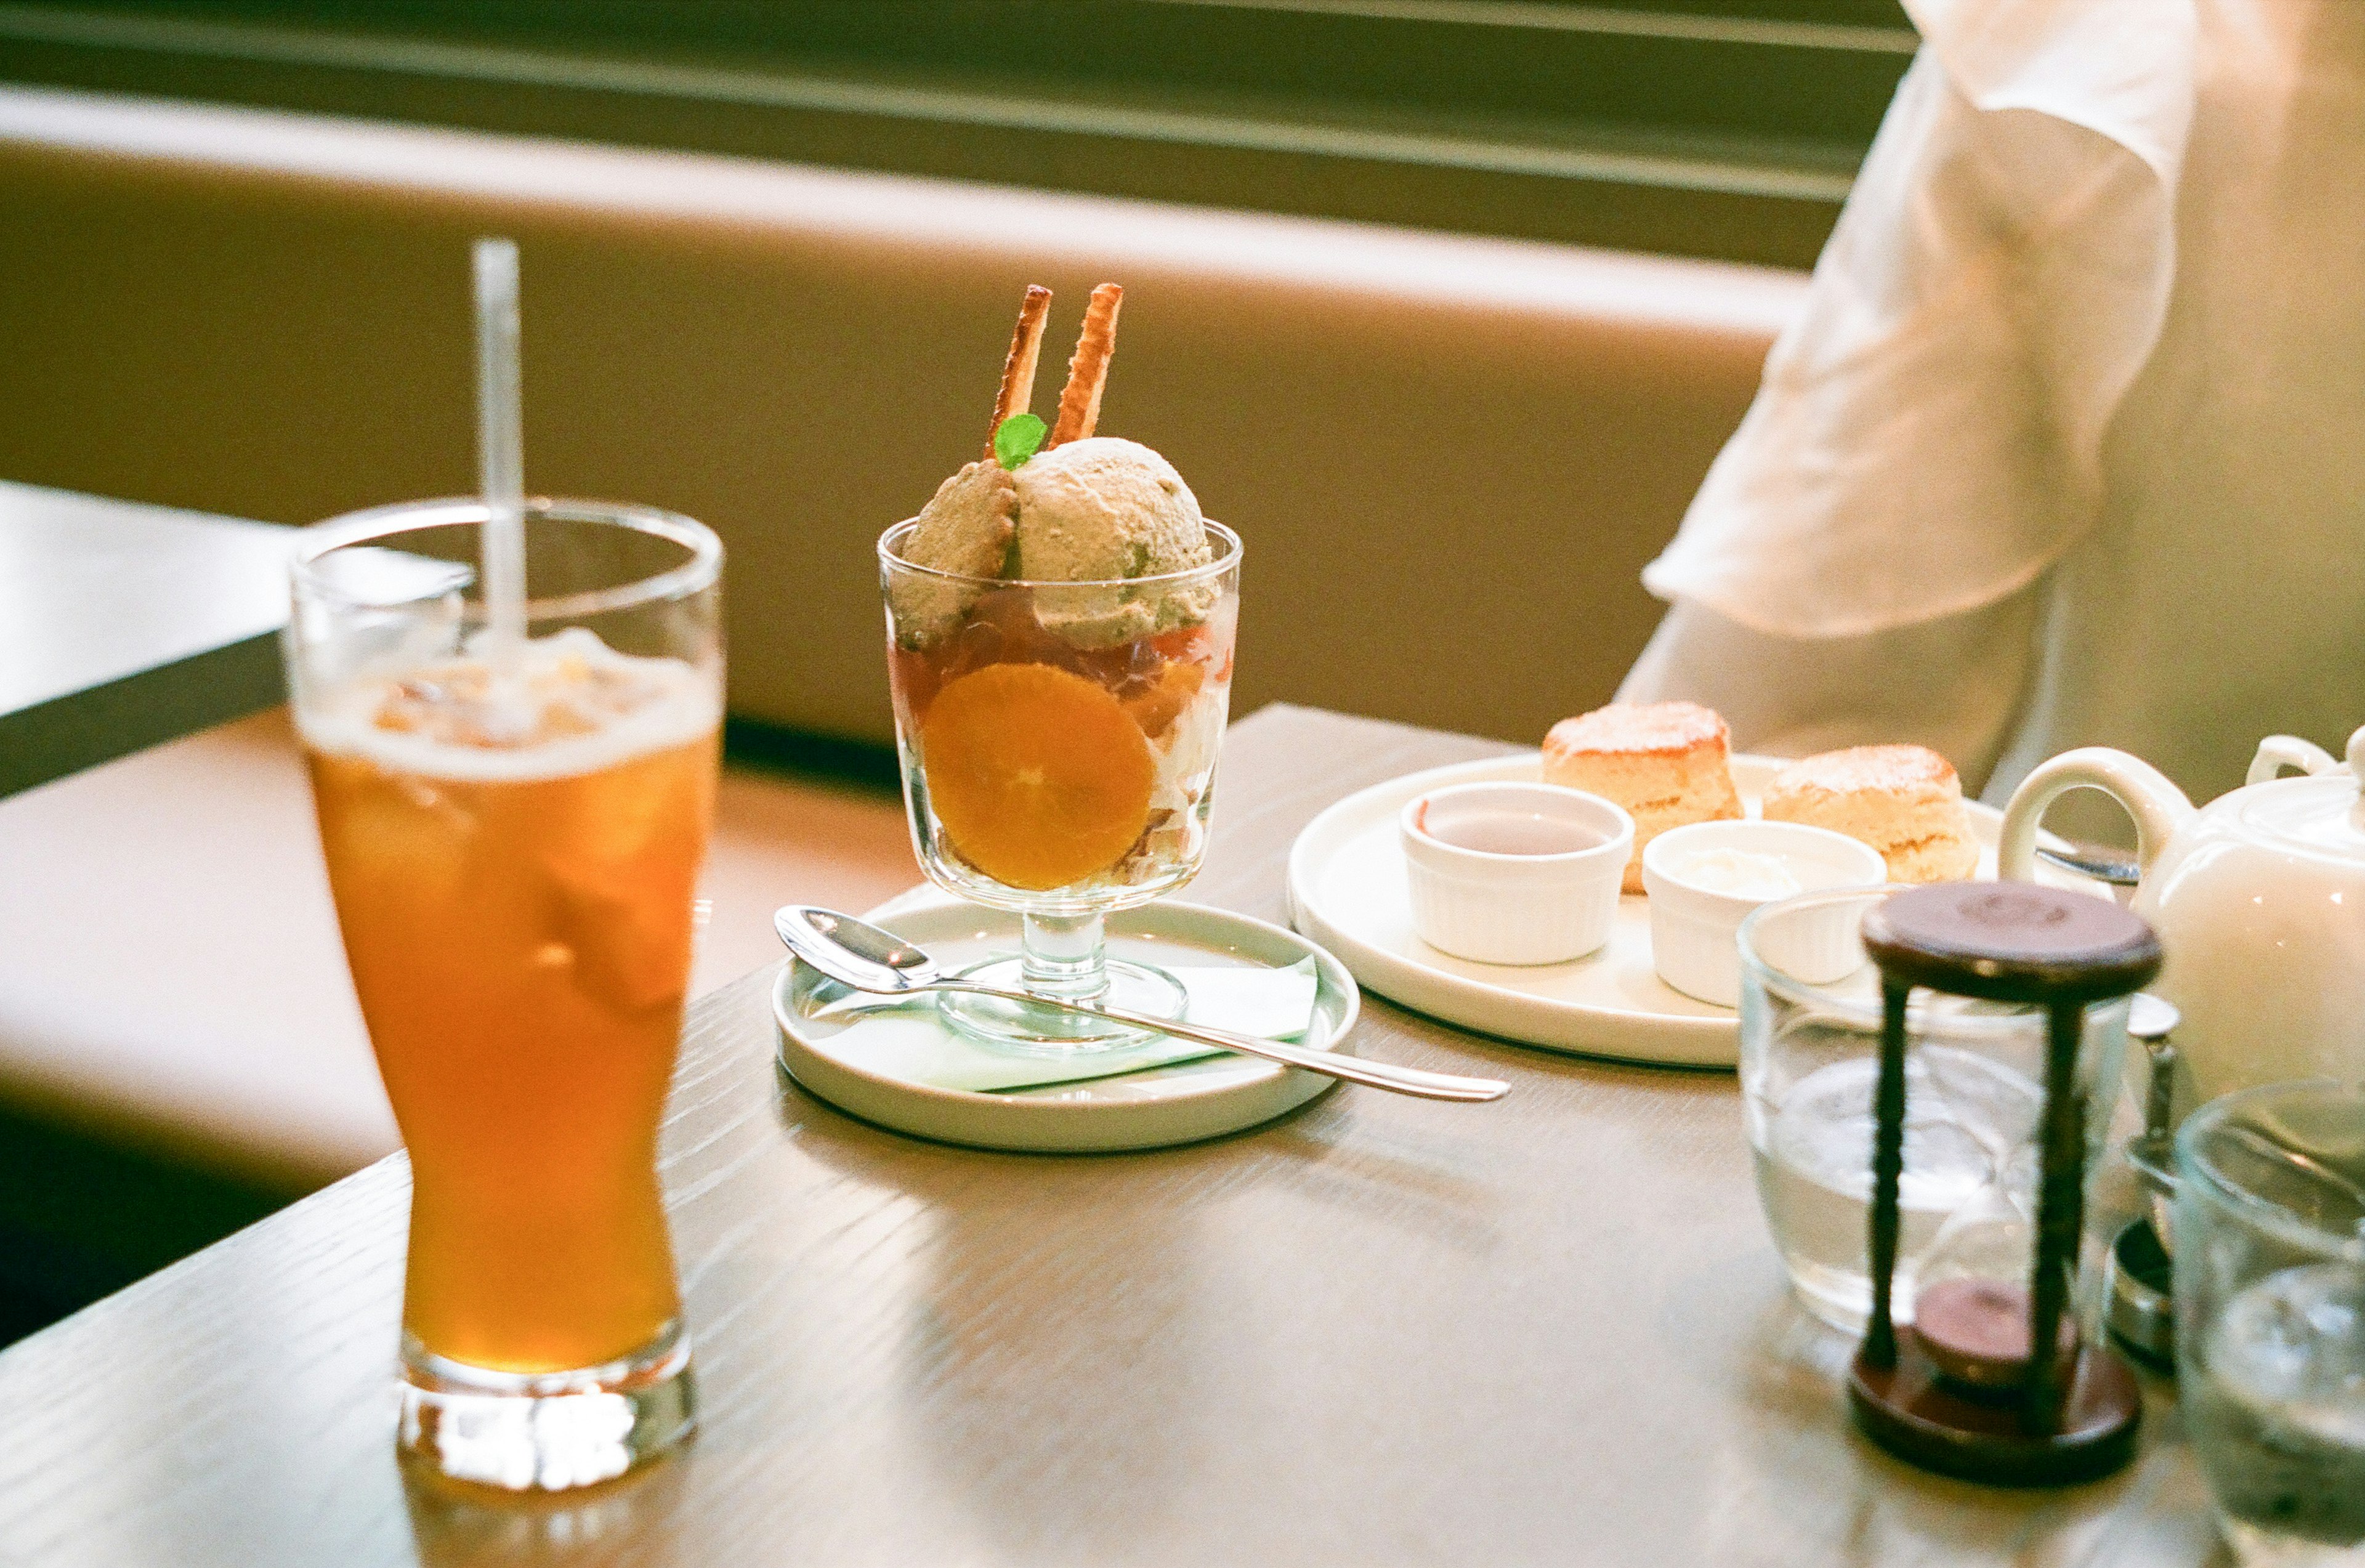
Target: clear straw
(500, 445)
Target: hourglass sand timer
(1994, 1380)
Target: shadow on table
(1001, 1319)
(83, 1215)
(1097, 1351)
(1796, 1440)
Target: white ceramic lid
(2322, 815)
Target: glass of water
(2270, 1316)
(1810, 1018)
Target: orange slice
(1157, 708)
(1039, 777)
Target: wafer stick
(1018, 370)
(1079, 401)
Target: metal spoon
(2100, 865)
(869, 959)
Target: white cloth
(1955, 685)
(2070, 445)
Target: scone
(1665, 762)
(1904, 800)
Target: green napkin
(909, 1039)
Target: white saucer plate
(1347, 892)
(1148, 1109)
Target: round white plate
(1347, 892)
(1148, 1109)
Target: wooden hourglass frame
(1999, 1386)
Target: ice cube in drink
(2277, 1412)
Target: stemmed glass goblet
(1058, 742)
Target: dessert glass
(1058, 742)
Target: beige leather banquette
(1449, 455)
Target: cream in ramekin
(1705, 878)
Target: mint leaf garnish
(1016, 438)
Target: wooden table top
(122, 625)
(1552, 1329)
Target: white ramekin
(1514, 909)
(1693, 929)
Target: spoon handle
(2100, 865)
(1410, 1081)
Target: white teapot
(2259, 900)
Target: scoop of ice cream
(1103, 509)
(1106, 510)
(966, 530)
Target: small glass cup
(1058, 743)
(1975, 1096)
(2270, 1316)
(513, 835)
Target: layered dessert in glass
(1060, 621)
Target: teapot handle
(2278, 752)
(2158, 807)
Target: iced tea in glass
(513, 833)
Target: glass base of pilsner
(545, 1431)
(1053, 1032)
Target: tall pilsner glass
(514, 833)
